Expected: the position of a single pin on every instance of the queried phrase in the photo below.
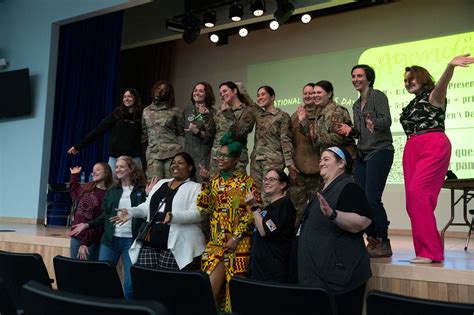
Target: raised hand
(301, 113)
(250, 199)
(462, 60)
(75, 169)
(150, 184)
(344, 129)
(72, 150)
(204, 173)
(325, 208)
(202, 108)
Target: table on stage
(466, 186)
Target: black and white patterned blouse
(420, 115)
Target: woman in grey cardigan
(375, 151)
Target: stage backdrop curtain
(86, 82)
(141, 67)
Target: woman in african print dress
(228, 251)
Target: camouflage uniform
(163, 128)
(240, 120)
(273, 146)
(199, 145)
(306, 157)
(327, 123)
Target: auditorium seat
(182, 292)
(18, 268)
(379, 302)
(93, 278)
(251, 297)
(42, 300)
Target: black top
(328, 256)
(421, 115)
(161, 201)
(125, 136)
(271, 253)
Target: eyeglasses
(271, 180)
(223, 156)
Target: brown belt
(422, 132)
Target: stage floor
(451, 280)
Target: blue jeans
(120, 247)
(113, 160)
(93, 249)
(372, 175)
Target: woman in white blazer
(175, 239)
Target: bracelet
(254, 208)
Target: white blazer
(186, 239)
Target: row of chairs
(94, 284)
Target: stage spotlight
(209, 18)
(274, 25)
(306, 18)
(284, 11)
(258, 8)
(191, 28)
(243, 32)
(214, 38)
(236, 12)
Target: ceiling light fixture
(214, 38)
(236, 12)
(192, 28)
(243, 32)
(258, 7)
(209, 19)
(274, 25)
(306, 18)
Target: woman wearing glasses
(274, 230)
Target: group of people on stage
(303, 203)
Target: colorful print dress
(224, 201)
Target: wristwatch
(333, 215)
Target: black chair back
(93, 278)
(258, 297)
(6, 303)
(18, 268)
(181, 292)
(42, 300)
(379, 302)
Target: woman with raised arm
(331, 249)
(88, 198)
(426, 155)
(375, 152)
(129, 191)
(125, 130)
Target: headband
(338, 152)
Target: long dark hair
(231, 85)
(122, 111)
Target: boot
(378, 248)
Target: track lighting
(258, 8)
(274, 25)
(236, 12)
(306, 18)
(209, 18)
(243, 32)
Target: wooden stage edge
(452, 280)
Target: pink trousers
(425, 163)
